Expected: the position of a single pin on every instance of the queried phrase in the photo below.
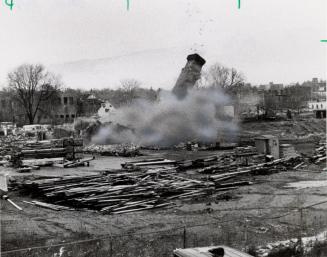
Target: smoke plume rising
(198, 117)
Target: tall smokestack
(189, 75)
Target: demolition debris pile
(125, 150)
(119, 193)
(148, 184)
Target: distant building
(247, 101)
(62, 109)
(67, 108)
(89, 105)
(318, 108)
(6, 107)
(275, 87)
(318, 89)
(318, 97)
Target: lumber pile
(42, 162)
(119, 193)
(320, 153)
(259, 169)
(148, 184)
(211, 162)
(147, 163)
(245, 151)
(48, 205)
(125, 150)
(123, 193)
(75, 163)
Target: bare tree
(33, 86)
(129, 89)
(219, 76)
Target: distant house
(318, 97)
(89, 105)
(64, 110)
(318, 108)
(247, 100)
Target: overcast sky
(98, 43)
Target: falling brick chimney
(189, 75)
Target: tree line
(35, 90)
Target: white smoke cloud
(199, 116)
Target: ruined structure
(189, 75)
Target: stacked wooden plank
(245, 151)
(209, 161)
(260, 169)
(119, 193)
(75, 163)
(320, 153)
(147, 163)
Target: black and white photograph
(163, 128)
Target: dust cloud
(200, 117)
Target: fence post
(110, 253)
(301, 228)
(184, 237)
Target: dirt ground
(266, 211)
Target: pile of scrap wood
(320, 153)
(207, 161)
(9, 143)
(118, 193)
(50, 148)
(126, 150)
(229, 162)
(75, 163)
(259, 169)
(246, 150)
(35, 164)
(148, 162)
(34, 151)
(147, 184)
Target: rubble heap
(126, 150)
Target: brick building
(62, 109)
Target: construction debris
(148, 184)
(320, 153)
(48, 205)
(75, 163)
(126, 150)
(148, 162)
(118, 193)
